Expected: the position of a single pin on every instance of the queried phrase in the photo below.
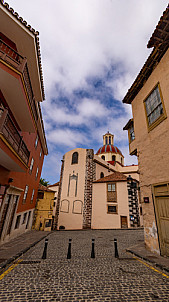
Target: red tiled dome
(109, 148)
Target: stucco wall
(152, 147)
(100, 218)
(67, 217)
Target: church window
(103, 157)
(101, 175)
(106, 140)
(154, 108)
(113, 158)
(109, 140)
(75, 158)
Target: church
(97, 191)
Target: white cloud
(67, 137)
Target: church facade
(97, 191)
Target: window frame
(162, 116)
(31, 165)
(37, 171)
(112, 205)
(111, 184)
(75, 158)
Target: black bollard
(116, 254)
(45, 249)
(69, 250)
(92, 252)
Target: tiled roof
(116, 176)
(54, 185)
(160, 41)
(32, 30)
(43, 188)
(109, 148)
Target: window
(106, 140)
(103, 157)
(131, 133)
(18, 219)
(40, 195)
(75, 158)
(112, 209)
(121, 160)
(154, 108)
(25, 194)
(101, 175)
(113, 158)
(111, 187)
(37, 172)
(40, 153)
(109, 140)
(31, 165)
(36, 141)
(32, 195)
(24, 218)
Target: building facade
(149, 137)
(22, 137)
(95, 192)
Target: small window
(109, 140)
(113, 158)
(40, 195)
(121, 160)
(25, 194)
(112, 209)
(111, 187)
(33, 192)
(31, 165)
(154, 107)
(103, 157)
(18, 219)
(36, 141)
(106, 140)
(24, 218)
(40, 153)
(101, 175)
(37, 172)
(75, 158)
(141, 211)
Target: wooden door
(161, 199)
(124, 222)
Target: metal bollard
(93, 252)
(45, 249)
(115, 249)
(69, 250)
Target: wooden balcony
(19, 63)
(11, 134)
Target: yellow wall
(44, 210)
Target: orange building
(22, 138)
(149, 137)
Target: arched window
(106, 140)
(109, 140)
(113, 158)
(103, 157)
(75, 158)
(101, 175)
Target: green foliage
(44, 182)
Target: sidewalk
(141, 252)
(16, 247)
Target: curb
(4, 264)
(161, 266)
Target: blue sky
(92, 50)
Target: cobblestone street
(82, 278)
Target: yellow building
(149, 137)
(43, 217)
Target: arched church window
(75, 158)
(103, 157)
(113, 158)
(106, 140)
(101, 175)
(109, 140)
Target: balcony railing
(12, 135)
(13, 58)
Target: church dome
(109, 148)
